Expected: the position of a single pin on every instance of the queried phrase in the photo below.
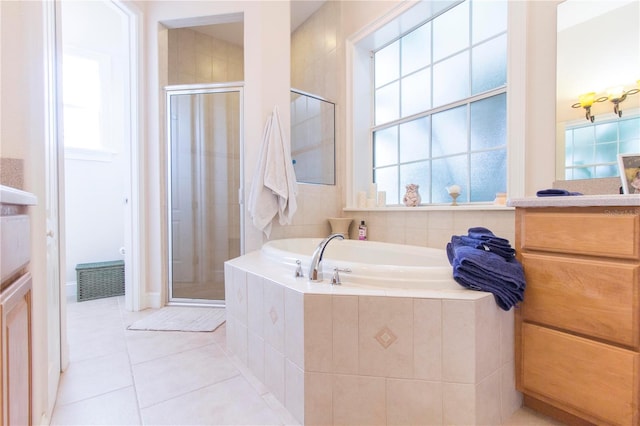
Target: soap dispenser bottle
(362, 231)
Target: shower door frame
(199, 89)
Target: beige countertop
(577, 201)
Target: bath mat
(181, 318)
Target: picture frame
(629, 167)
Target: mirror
(313, 138)
(598, 47)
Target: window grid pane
(464, 144)
(591, 150)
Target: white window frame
(359, 105)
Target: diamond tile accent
(385, 337)
(273, 314)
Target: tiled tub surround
(357, 355)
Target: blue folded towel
(555, 193)
(493, 269)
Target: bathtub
(399, 342)
(372, 264)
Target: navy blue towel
(555, 193)
(494, 269)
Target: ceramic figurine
(412, 196)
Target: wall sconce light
(586, 100)
(617, 95)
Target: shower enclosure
(204, 128)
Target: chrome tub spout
(315, 269)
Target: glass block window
(440, 106)
(591, 150)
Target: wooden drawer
(591, 297)
(611, 232)
(580, 375)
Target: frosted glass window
(488, 123)
(449, 132)
(387, 180)
(416, 49)
(489, 18)
(591, 149)
(583, 136)
(388, 103)
(447, 171)
(446, 99)
(606, 153)
(607, 132)
(488, 173)
(607, 171)
(629, 129)
(489, 65)
(451, 32)
(451, 79)
(387, 64)
(583, 155)
(385, 147)
(416, 93)
(415, 136)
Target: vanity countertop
(577, 201)
(14, 196)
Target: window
(591, 150)
(439, 113)
(82, 102)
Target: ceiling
(233, 32)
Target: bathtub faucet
(315, 270)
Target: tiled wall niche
(359, 359)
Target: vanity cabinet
(577, 331)
(15, 320)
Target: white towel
(274, 188)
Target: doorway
(99, 115)
(205, 219)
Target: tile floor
(122, 377)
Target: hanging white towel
(274, 188)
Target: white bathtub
(372, 263)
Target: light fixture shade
(615, 93)
(587, 99)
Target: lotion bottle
(362, 231)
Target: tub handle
(335, 280)
(299, 272)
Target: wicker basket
(100, 279)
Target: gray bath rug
(181, 318)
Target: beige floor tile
(114, 408)
(174, 375)
(97, 376)
(148, 345)
(232, 402)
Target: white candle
(382, 198)
(373, 191)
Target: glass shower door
(204, 158)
